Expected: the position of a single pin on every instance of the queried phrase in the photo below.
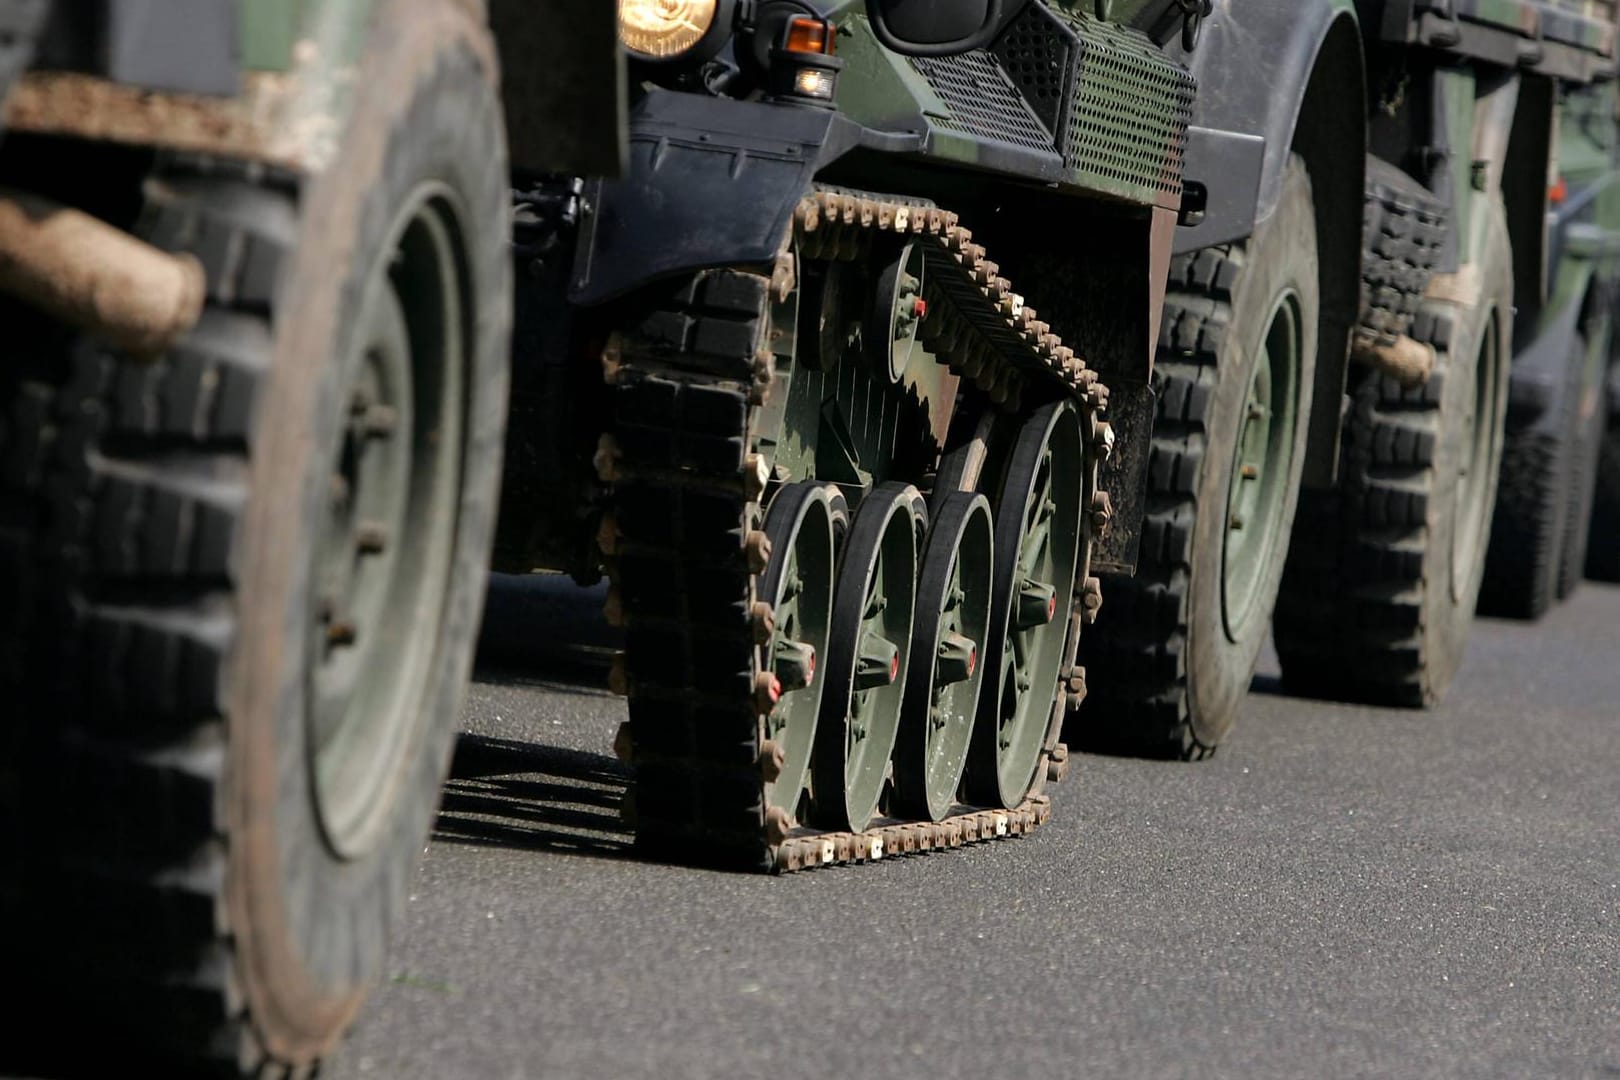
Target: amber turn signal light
(807, 35)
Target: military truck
(1557, 412)
(825, 386)
(256, 275)
(1338, 323)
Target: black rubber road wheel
(1384, 572)
(255, 568)
(1175, 647)
(1535, 499)
(1603, 539)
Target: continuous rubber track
(1143, 645)
(1349, 620)
(121, 487)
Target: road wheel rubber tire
(1175, 646)
(202, 876)
(1385, 570)
(1534, 504)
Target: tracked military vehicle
(1376, 178)
(847, 350)
(256, 287)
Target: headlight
(664, 29)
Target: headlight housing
(659, 30)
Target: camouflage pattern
(1118, 131)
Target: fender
(710, 182)
(1277, 77)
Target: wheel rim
(945, 677)
(1037, 540)
(1474, 463)
(866, 662)
(799, 587)
(1257, 484)
(385, 548)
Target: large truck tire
(1384, 572)
(1591, 419)
(1535, 502)
(1176, 646)
(1603, 543)
(248, 577)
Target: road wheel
(1534, 502)
(1177, 644)
(255, 568)
(1382, 581)
(1603, 546)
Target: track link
(683, 541)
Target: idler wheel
(798, 584)
(1038, 532)
(866, 660)
(946, 672)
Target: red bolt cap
(919, 308)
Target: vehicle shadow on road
(533, 797)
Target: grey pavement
(1340, 892)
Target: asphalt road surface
(1341, 892)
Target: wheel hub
(1262, 464)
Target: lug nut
(370, 537)
(1090, 600)
(341, 632)
(379, 421)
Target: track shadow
(503, 793)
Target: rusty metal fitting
(783, 277)
(756, 473)
(624, 744)
(606, 459)
(1104, 440)
(1102, 512)
(607, 535)
(772, 758)
(613, 607)
(613, 359)
(762, 617)
(757, 550)
(767, 692)
(778, 823)
(97, 277)
(618, 679)
(1091, 600)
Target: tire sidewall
(309, 925)
(1448, 605)
(1281, 256)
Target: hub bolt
(794, 664)
(877, 664)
